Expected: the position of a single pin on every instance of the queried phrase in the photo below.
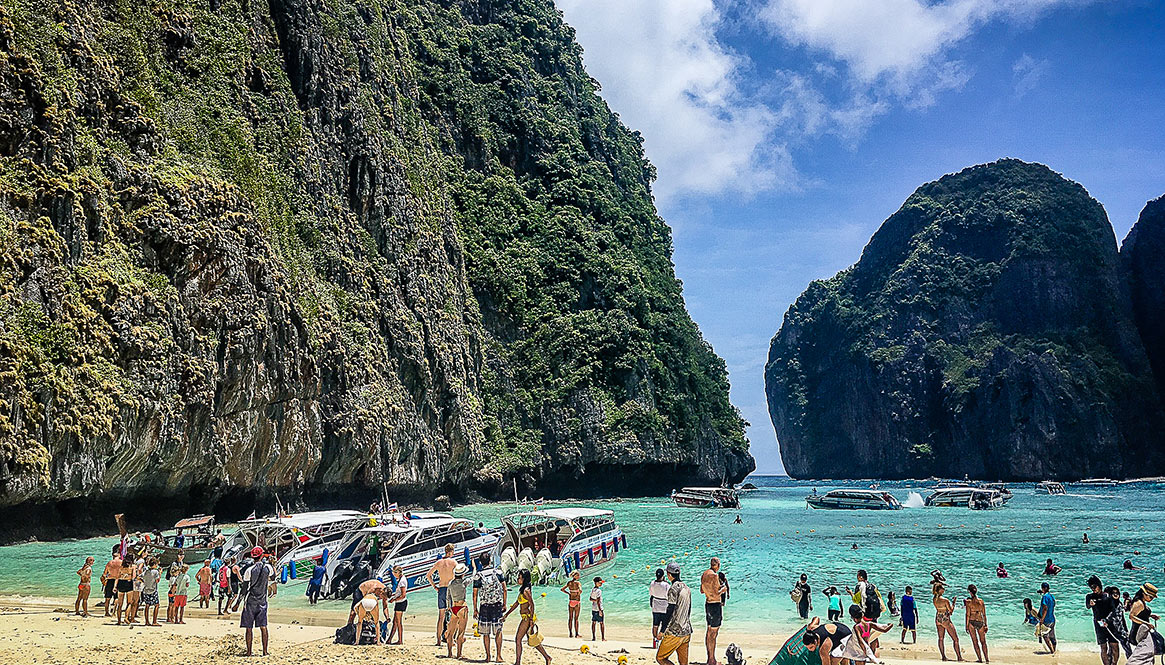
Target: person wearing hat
(1142, 617)
(455, 631)
(677, 620)
(597, 608)
(254, 613)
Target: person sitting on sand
(827, 639)
(976, 617)
(81, 607)
(1000, 571)
(1051, 568)
(943, 609)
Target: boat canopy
(196, 521)
(307, 521)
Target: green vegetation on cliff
(985, 330)
(330, 242)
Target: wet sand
(43, 630)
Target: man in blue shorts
(909, 616)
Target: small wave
(913, 500)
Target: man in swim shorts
(443, 569)
(109, 580)
(713, 591)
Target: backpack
(871, 601)
(734, 656)
(347, 634)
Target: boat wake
(914, 500)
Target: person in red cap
(254, 614)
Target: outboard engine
(361, 574)
(543, 566)
(526, 559)
(340, 577)
(508, 562)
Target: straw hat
(460, 570)
(1149, 590)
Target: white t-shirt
(659, 596)
(253, 572)
(596, 599)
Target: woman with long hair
(400, 603)
(943, 608)
(977, 623)
(1142, 617)
(526, 602)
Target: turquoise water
(780, 539)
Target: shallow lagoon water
(780, 538)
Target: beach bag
(1158, 643)
(534, 638)
(795, 594)
(734, 656)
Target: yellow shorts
(670, 644)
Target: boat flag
(392, 507)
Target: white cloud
(666, 74)
(1028, 71)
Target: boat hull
(819, 504)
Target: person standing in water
(573, 591)
(976, 611)
(943, 608)
(1047, 617)
(657, 600)
(909, 616)
(713, 592)
(805, 602)
(81, 607)
(834, 612)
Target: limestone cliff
(1143, 257)
(986, 331)
(309, 247)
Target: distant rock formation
(985, 331)
(1143, 255)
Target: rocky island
(318, 248)
(990, 328)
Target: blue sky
(785, 131)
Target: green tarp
(794, 652)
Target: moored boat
(947, 497)
(297, 540)
(553, 543)
(706, 497)
(985, 499)
(1050, 487)
(853, 499)
(194, 537)
(1097, 482)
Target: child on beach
(597, 609)
(180, 584)
(81, 607)
(909, 616)
(573, 590)
(150, 578)
(204, 576)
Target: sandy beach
(43, 630)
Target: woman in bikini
(943, 609)
(81, 607)
(977, 624)
(573, 589)
(526, 602)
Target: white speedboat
(1050, 487)
(706, 497)
(414, 542)
(553, 543)
(297, 540)
(1097, 482)
(854, 499)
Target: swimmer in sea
(1000, 571)
(1051, 568)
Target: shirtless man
(81, 607)
(824, 638)
(713, 591)
(443, 569)
(109, 581)
(204, 576)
